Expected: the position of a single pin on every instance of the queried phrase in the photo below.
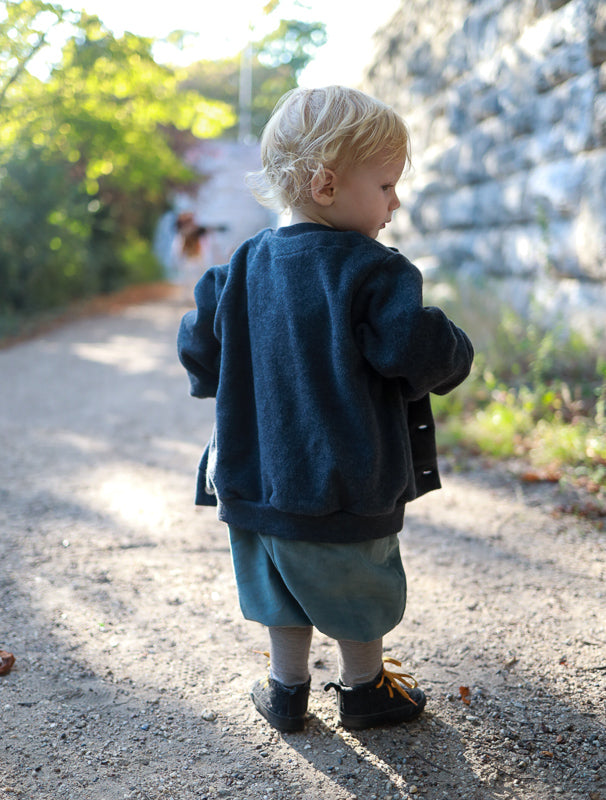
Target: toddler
(316, 344)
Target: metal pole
(245, 95)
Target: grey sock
(359, 662)
(289, 654)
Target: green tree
(24, 31)
(86, 156)
(277, 62)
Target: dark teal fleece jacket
(321, 356)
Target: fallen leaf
(6, 662)
(465, 694)
(541, 476)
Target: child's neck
(299, 215)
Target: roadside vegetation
(87, 156)
(536, 396)
(93, 143)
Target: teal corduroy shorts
(353, 591)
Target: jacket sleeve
(403, 339)
(197, 343)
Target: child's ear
(323, 187)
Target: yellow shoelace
(393, 680)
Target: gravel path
(133, 664)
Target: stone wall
(506, 103)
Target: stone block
(469, 157)
(596, 41)
(590, 220)
(420, 60)
(524, 252)
(599, 120)
(562, 258)
(553, 5)
(523, 121)
(555, 189)
(561, 65)
(508, 158)
(580, 94)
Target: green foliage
(278, 59)
(44, 260)
(87, 156)
(89, 151)
(293, 43)
(24, 29)
(534, 393)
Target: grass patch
(534, 394)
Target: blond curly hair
(311, 129)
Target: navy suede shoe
(390, 698)
(284, 707)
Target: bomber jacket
(321, 356)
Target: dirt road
(133, 664)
